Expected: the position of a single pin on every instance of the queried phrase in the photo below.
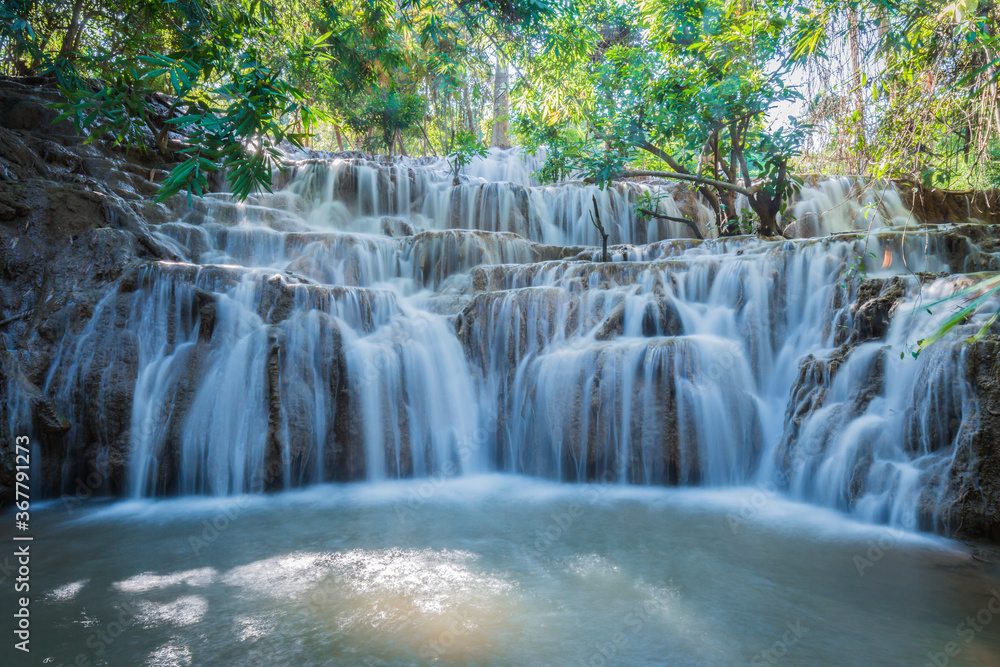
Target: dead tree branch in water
(595, 218)
(692, 225)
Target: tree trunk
(80, 32)
(595, 218)
(854, 39)
(767, 206)
(428, 146)
(468, 110)
(501, 106)
(71, 38)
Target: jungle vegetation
(739, 97)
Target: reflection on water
(499, 570)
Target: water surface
(496, 570)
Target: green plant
(463, 148)
(855, 269)
(856, 265)
(234, 125)
(563, 144)
(991, 166)
(972, 299)
(383, 114)
(17, 33)
(247, 75)
(928, 111)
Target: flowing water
(500, 570)
(372, 321)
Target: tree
(501, 107)
(463, 148)
(933, 105)
(684, 89)
(689, 85)
(247, 75)
(384, 114)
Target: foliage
(563, 145)
(893, 88)
(972, 299)
(383, 114)
(925, 106)
(238, 102)
(679, 86)
(16, 31)
(696, 87)
(247, 75)
(465, 146)
(991, 166)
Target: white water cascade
(370, 320)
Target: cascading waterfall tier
(372, 320)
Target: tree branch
(15, 318)
(663, 155)
(600, 228)
(687, 221)
(684, 177)
(709, 195)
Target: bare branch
(687, 221)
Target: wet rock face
(628, 415)
(77, 235)
(595, 408)
(74, 224)
(973, 496)
(160, 357)
(953, 407)
(970, 248)
(810, 395)
(875, 303)
(938, 206)
(65, 237)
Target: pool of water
(495, 570)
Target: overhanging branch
(663, 155)
(749, 192)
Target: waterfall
(373, 320)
